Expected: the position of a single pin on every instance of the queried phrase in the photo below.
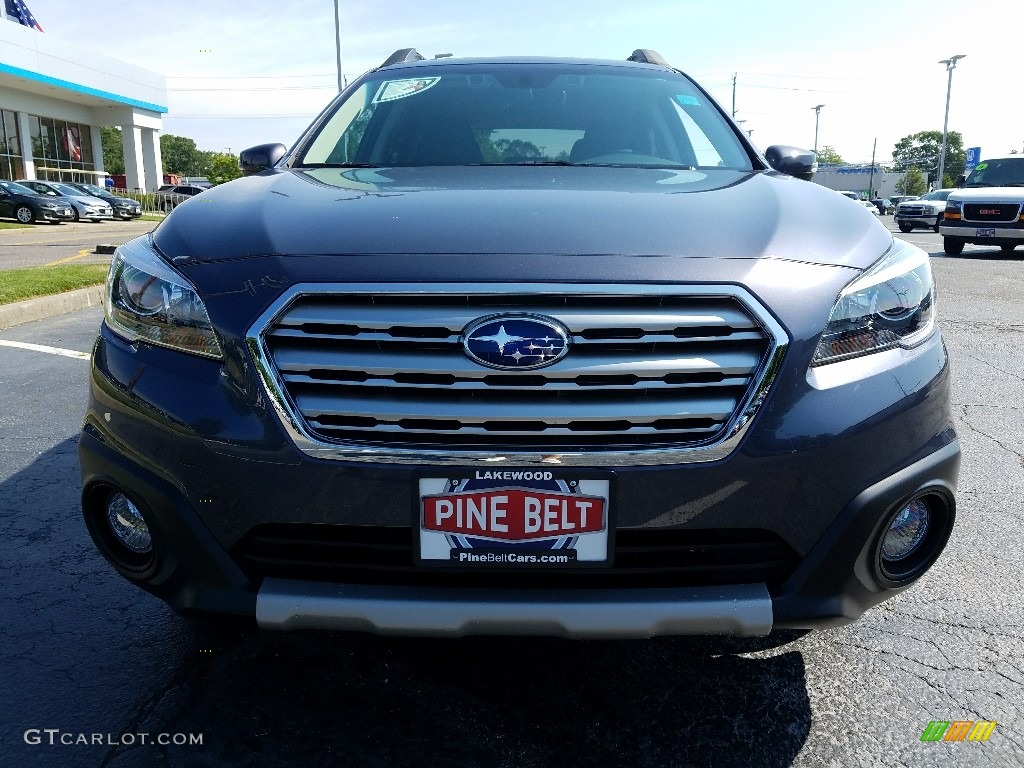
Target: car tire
(1007, 247)
(24, 214)
(953, 246)
(74, 212)
(938, 223)
(904, 227)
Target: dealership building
(55, 96)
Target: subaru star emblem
(515, 342)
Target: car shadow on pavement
(990, 255)
(89, 653)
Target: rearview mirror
(792, 161)
(960, 180)
(260, 157)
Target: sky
(246, 72)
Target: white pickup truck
(987, 208)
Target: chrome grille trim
(669, 423)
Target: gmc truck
(987, 208)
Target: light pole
(950, 66)
(337, 44)
(817, 115)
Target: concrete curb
(49, 306)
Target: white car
(856, 198)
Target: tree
(912, 183)
(921, 151)
(113, 149)
(828, 156)
(223, 168)
(180, 156)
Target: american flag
(19, 12)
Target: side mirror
(960, 180)
(792, 161)
(259, 158)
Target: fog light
(906, 532)
(128, 525)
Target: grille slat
(579, 384)
(513, 407)
(645, 557)
(455, 317)
(644, 370)
(385, 362)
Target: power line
(305, 115)
(258, 88)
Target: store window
(62, 151)
(11, 162)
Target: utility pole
(950, 66)
(871, 176)
(734, 94)
(337, 44)
(817, 115)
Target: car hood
(510, 210)
(38, 199)
(989, 195)
(936, 204)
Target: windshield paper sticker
(400, 89)
(687, 101)
(981, 166)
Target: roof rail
(402, 55)
(647, 56)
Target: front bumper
(980, 234)
(208, 466)
(47, 214)
(924, 221)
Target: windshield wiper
(531, 162)
(339, 165)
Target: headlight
(148, 301)
(892, 304)
(49, 206)
(952, 206)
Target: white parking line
(48, 350)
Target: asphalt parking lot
(86, 653)
(44, 244)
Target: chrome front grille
(647, 367)
(917, 210)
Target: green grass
(12, 225)
(21, 284)
(150, 217)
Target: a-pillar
(154, 173)
(131, 138)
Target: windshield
(1005, 172)
(92, 189)
(64, 189)
(527, 114)
(938, 194)
(17, 189)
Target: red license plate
(484, 521)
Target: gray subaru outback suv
(521, 346)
